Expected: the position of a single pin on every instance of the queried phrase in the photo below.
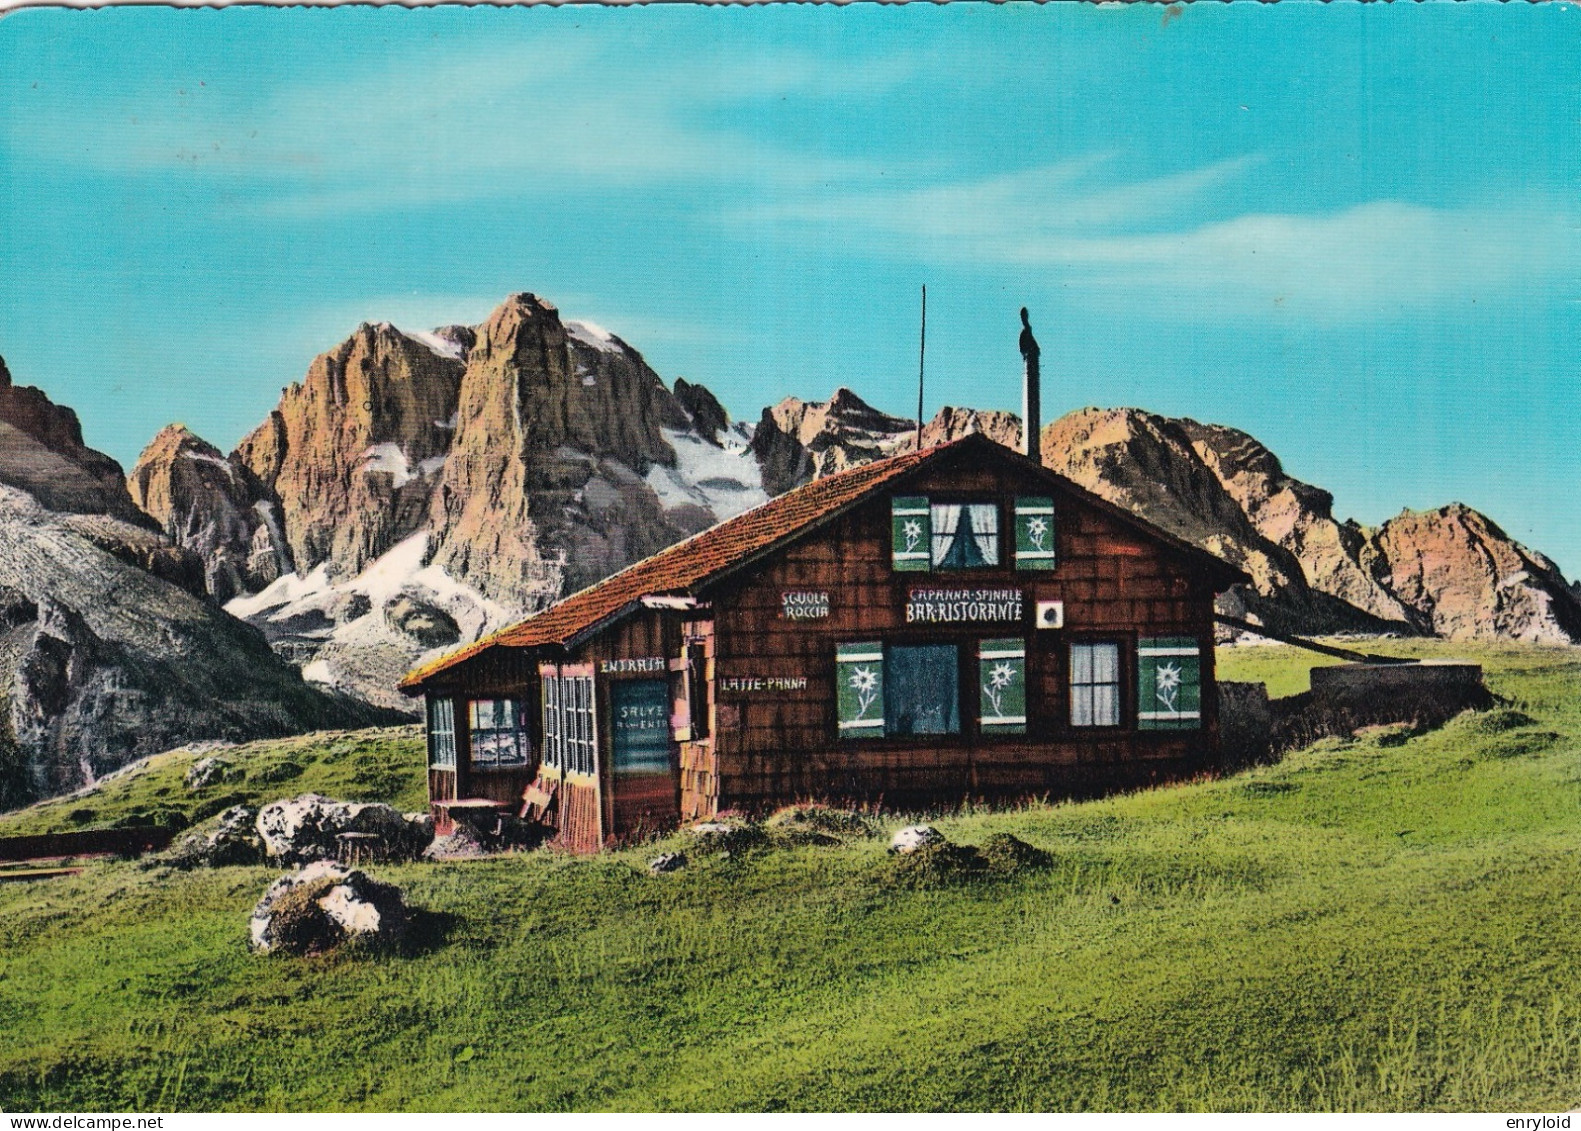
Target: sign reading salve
(942, 606)
(640, 709)
(750, 684)
(800, 604)
(633, 664)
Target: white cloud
(562, 114)
(1149, 239)
(1375, 260)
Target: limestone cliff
(557, 427)
(498, 467)
(799, 440)
(352, 453)
(1466, 579)
(42, 453)
(104, 662)
(215, 507)
(1299, 518)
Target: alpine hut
(950, 624)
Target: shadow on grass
(427, 932)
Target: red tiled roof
(687, 562)
(715, 550)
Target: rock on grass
(323, 905)
(939, 862)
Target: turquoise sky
(1353, 231)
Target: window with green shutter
(1034, 532)
(911, 534)
(1169, 683)
(1002, 677)
(859, 689)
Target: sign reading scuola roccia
(938, 606)
(801, 604)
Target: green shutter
(910, 533)
(859, 689)
(1034, 532)
(1169, 683)
(1002, 683)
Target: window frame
(967, 690)
(521, 735)
(890, 692)
(965, 503)
(438, 706)
(582, 733)
(1122, 648)
(553, 736)
(1004, 551)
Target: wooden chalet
(951, 624)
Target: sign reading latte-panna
(943, 606)
(750, 684)
(803, 605)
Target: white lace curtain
(985, 529)
(1095, 685)
(982, 523)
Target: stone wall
(1346, 697)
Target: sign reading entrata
(802, 605)
(934, 606)
(633, 664)
(744, 683)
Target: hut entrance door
(642, 755)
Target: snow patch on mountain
(726, 478)
(442, 346)
(592, 334)
(388, 458)
(338, 630)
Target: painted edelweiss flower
(1167, 684)
(1037, 530)
(912, 531)
(1002, 675)
(864, 679)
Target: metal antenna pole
(922, 357)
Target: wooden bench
(358, 848)
(472, 810)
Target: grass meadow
(1381, 923)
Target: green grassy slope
(384, 764)
(1368, 925)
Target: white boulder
(324, 904)
(913, 837)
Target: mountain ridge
(566, 458)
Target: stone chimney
(1031, 406)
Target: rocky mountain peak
(708, 416)
(797, 440)
(1300, 518)
(352, 453)
(1468, 579)
(213, 506)
(558, 424)
(951, 423)
(42, 453)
